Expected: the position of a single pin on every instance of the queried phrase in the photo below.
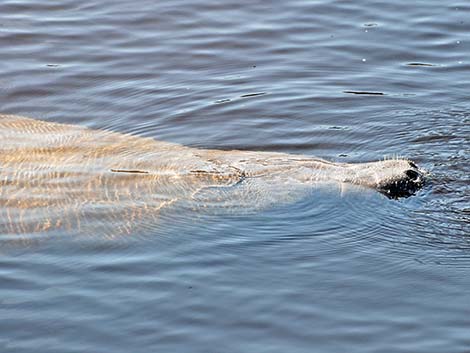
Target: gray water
(334, 272)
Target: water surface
(338, 270)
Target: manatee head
(400, 178)
(394, 178)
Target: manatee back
(58, 176)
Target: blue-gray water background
(349, 272)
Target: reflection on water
(336, 270)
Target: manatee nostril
(412, 174)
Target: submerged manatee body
(58, 176)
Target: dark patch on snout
(412, 174)
(412, 181)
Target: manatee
(66, 177)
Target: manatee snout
(405, 184)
